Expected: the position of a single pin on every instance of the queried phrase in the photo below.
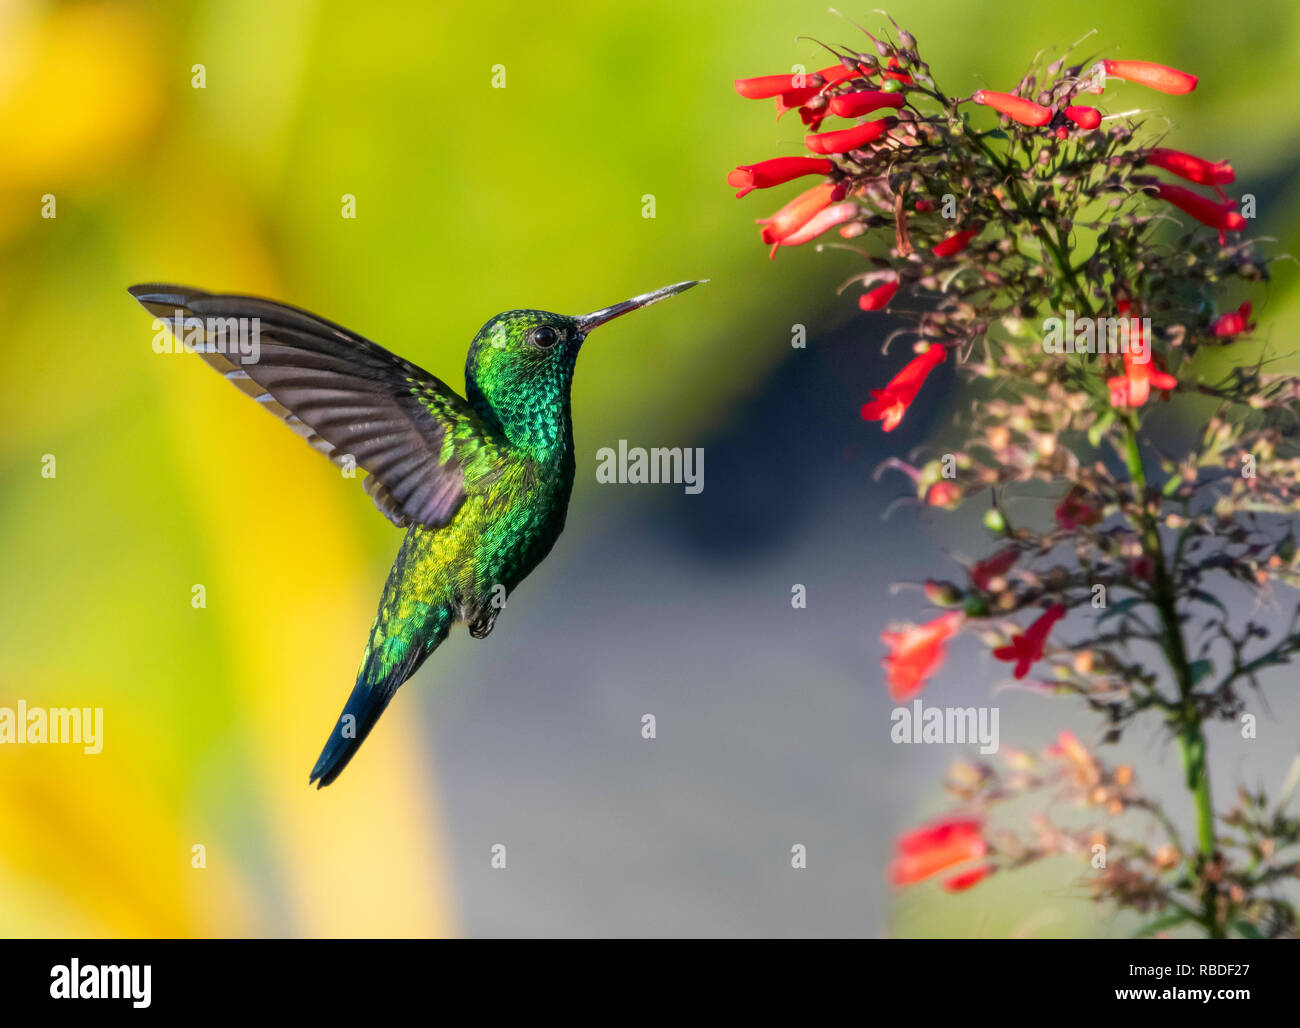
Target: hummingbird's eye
(544, 337)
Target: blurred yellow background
(469, 200)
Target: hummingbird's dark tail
(396, 651)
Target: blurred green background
(469, 200)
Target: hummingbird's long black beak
(587, 322)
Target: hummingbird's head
(520, 368)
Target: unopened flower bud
(942, 594)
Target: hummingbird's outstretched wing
(345, 395)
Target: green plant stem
(1191, 739)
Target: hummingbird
(481, 483)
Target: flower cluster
(1073, 268)
(931, 180)
(1147, 875)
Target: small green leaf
(1247, 930)
(1210, 598)
(1100, 427)
(1161, 924)
(1122, 607)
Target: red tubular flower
(939, 833)
(823, 221)
(788, 101)
(1194, 169)
(878, 298)
(964, 880)
(1014, 107)
(891, 403)
(763, 86)
(916, 653)
(799, 92)
(854, 105)
(797, 213)
(778, 170)
(923, 206)
(1155, 76)
(955, 243)
(1234, 323)
(1084, 117)
(944, 493)
(1027, 647)
(1132, 388)
(1075, 511)
(844, 140)
(925, 852)
(813, 119)
(1222, 216)
(984, 571)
